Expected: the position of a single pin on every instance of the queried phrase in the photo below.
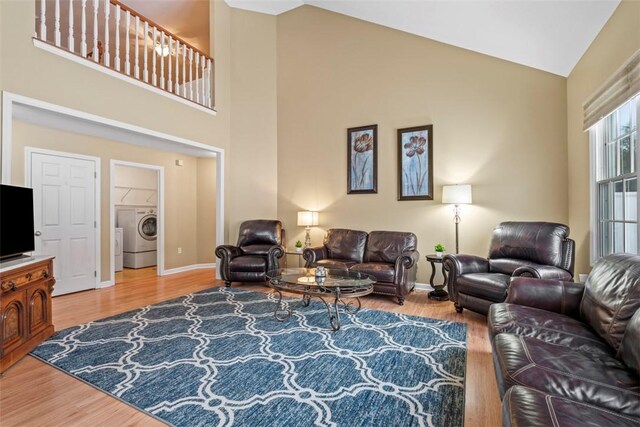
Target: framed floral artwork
(415, 163)
(362, 160)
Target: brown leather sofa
(529, 249)
(390, 256)
(568, 354)
(258, 249)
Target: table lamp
(458, 194)
(307, 219)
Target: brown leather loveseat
(390, 256)
(568, 354)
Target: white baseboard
(189, 268)
(105, 284)
(423, 287)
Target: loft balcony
(111, 37)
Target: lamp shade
(307, 218)
(458, 194)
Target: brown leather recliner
(568, 354)
(258, 249)
(389, 256)
(529, 249)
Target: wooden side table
(299, 254)
(438, 294)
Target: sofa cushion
(629, 351)
(336, 264)
(545, 325)
(612, 296)
(256, 249)
(248, 263)
(490, 286)
(593, 379)
(387, 246)
(381, 271)
(540, 242)
(345, 244)
(525, 407)
(508, 265)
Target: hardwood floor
(33, 393)
(128, 274)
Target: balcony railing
(115, 36)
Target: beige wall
(189, 213)
(497, 125)
(254, 148)
(206, 210)
(617, 41)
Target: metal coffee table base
(281, 314)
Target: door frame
(112, 214)
(28, 151)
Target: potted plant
(439, 249)
(298, 246)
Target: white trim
(112, 214)
(103, 69)
(423, 287)
(594, 134)
(105, 284)
(28, 151)
(10, 99)
(189, 268)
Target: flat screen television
(16, 221)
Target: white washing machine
(139, 234)
(118, 250)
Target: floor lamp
(307, 219)
(458, 194)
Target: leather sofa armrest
(543, 272)
(273, 255)
(457, 265)
(547, 294)
(313, 255)
(407, 260)
(228, 252)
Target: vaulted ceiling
(549, 35)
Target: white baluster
(155, 53)
(145, 74)
(162, 59)
(56, 24)
(43, 20)
(197, 79)
(191, 74)
(177, 86)
(96, 54)
(202, 82)
(71, 41)
(184, 72)
(209, 94)
(169, 83)
(137, 56)
(117, 57)
(107, 11)
(83, 30)
(127, 64)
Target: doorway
(137, 220)
(66, 192)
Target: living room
(289, 84)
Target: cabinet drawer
(12, 282)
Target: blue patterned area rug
(219, 358)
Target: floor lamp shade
(459, 194)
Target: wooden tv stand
(25, 306)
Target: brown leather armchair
(389, 256)
(528, 249)
(258, 249)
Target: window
(614, 144)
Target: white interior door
(64, 192)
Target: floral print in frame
(415, 163)
(362, 159)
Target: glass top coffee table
(330, 289)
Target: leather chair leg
(458, 307)
(227, 283)
(401, 300)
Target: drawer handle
(45, 274)
(8, 286)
